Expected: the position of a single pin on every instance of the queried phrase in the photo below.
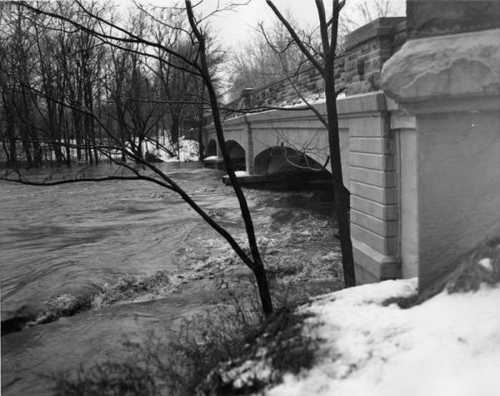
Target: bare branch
(296, 37)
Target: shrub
(175, 363)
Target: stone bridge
(271, 141)
(420, 137)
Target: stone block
(378, 145)
(379, 227)
(373, 177)
(383, 162)
(384, 245)
(372, 265)
(378, 28)
(375, 209)
(367, 103)
(382, 195)
(368, 127)
(439, 68)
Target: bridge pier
(373, 180)
(217, 146)
(451, 84)
(249, 152)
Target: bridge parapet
(357, 69)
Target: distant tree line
(64, 93)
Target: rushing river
(85, 266)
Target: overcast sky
(235, 27)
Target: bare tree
(324, 64)
(266, 58)
(255, 262)
(138, 44)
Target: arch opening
(289, 169)
(236, 153)
(211, 149)
(286, 160)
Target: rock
(459, 65)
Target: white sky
(235, 27)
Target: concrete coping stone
(448, 67)
(371, 102)
(362, 103)
(378, 28)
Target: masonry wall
(357, 68)
(374, 181)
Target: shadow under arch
(286, 160)
(236, 153)
(211, 149)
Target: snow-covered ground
(449, 345)
(188, 150)
(211, 158)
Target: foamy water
(90, 265)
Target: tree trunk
(342, 195)
(262, 284)
(256, 263)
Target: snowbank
(188, 150)
(449, 345)
(212, 158)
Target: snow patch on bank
(188, 151)
(211, 158)
(449, 345)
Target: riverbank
(384, 339)
(376, 339)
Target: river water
(86, 266)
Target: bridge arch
(236, 153)
(211, 149)
(283, 159)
